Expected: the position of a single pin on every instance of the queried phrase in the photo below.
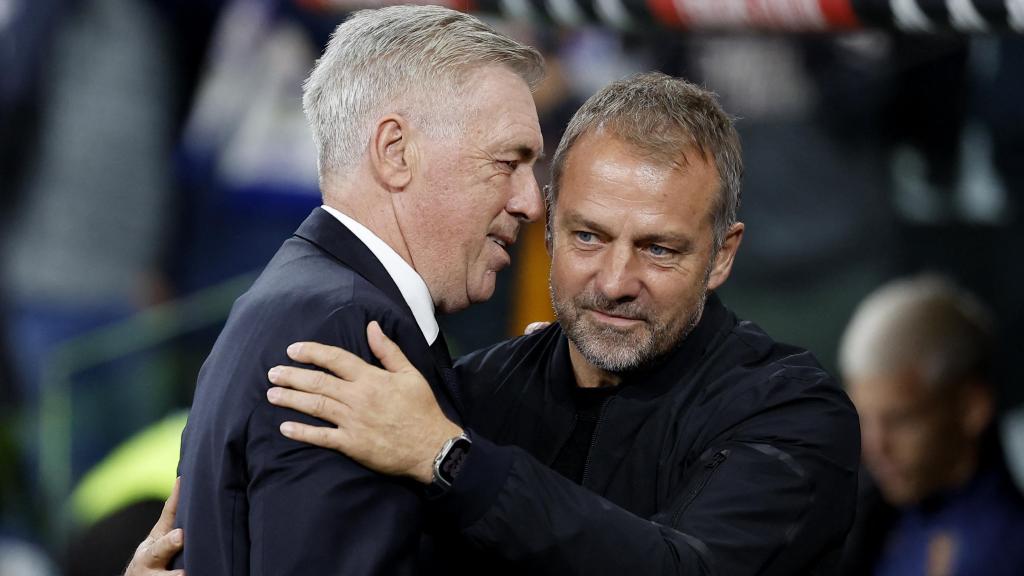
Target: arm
(756, 502)
(312, 512)
(745, 510)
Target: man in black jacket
(649, 430)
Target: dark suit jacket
(255, 502)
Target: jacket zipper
(593, 441)
(709, 471)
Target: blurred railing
(913, 16)
(146, 331)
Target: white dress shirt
(409, 282)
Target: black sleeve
(314, 511)
(770, 497)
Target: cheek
(914, 447)
(673, 294)
(569, 273)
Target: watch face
(453, 460)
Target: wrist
(432, 447)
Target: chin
(484, 291)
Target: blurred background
(154, 155)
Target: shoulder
(767, 390)
(302, 278)
(489, 366)
(497, 381)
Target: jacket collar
(326, 232)
(675, 367)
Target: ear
(391, 152)
(726, 255)
(977, 408)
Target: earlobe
(390, 152)
(726, 256)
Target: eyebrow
(683, 244)
(527, 154)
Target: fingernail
(274, 373)
(273, 393)
(294, 349)
(287, 428)
(176, 536)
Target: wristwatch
(448, 463)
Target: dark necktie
(443, 361)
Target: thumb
(389, 354)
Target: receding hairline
(681, 161)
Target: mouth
(620, 321)
(503, 240)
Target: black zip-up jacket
(736, 455)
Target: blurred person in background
(917, 358)
(92, 95)
(89, 92)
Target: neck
(370, 205)
(588, 375)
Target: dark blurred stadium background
(153, 155)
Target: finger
(389, 354)
(332, 438)
(313, 381)
(534, 326)
(339, 361)
(316, 405)
(159, 553)
(166, 521)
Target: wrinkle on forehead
(628, 176)
(605, 175)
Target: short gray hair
(408, 59)
(662, 117)
(925, 323)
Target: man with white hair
(426, 132)
(916, 359)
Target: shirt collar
(409, 282)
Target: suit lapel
(324, 230)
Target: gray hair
(925, 323)
(662, 117)
(408, 59)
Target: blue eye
(585, 237)
(657, 250)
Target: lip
(502, 244)
(620, 321)
(503, 240)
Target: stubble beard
(615, 349)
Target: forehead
(606, 175)
(500, 111)
(885, 392)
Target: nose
(526, 202)
(618, 278)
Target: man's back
(254, 502)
